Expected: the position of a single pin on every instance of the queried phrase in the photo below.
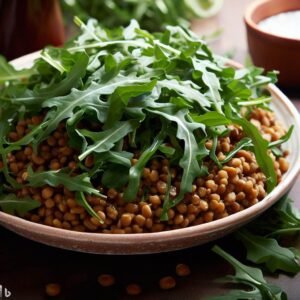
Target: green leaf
(260, 148)
(283, 139)
(262, 250)
(188, 162)
(251, 277)
(136, 170)
(65, 106)
(186, 89)
(211, 118)
(115, 176)
(11, 204)
(34, 98)
(167, 150)
(5, 116)
(80, 199)
(9, 73)
(243, 143)
(120, 98)
(211, 81)
(79, 183)
(105, 140)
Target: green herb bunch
(152, 15)
(162, 94)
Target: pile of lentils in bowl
(122, 131)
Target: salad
(123, 131)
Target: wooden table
(26, 266)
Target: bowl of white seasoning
(273, 34)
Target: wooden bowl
(270, 51)
(168, 240)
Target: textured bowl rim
(170, 235)
(248, 18)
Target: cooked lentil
(183, 270)
(133, 289)
(53, 289)
(106, 280)
(167, 283)
(240, 184)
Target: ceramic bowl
(270, 51)
(168, 240)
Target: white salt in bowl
(271, 51)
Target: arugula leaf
(136, 170)
(106, 139)
(120, 98)
(5, 116)
(211, 81)
(11, 204)
(249, 276)
(115, 176)
(260, 148)
(188, 162)
(34, 98)
(211, 118)
(186, 89)
(79, 183)
(8, 72)
(80, 198)
(244, 142)
(267, 250)
(212, 152)
(283, 139)
(66, 105)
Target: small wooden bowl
(270, 51)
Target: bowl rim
(165, 236)
(248, 19)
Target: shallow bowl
(168, 240)
(268, 50)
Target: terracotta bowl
(167, 240)
(268, 50)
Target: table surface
(26, 266)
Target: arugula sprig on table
(250, 277)
(262, 240)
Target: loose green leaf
(262, 250)
(11, 204)
(251, 277)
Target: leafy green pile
(160, 94)
(153, 15)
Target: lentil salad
(122, 131)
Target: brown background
(25, 266)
